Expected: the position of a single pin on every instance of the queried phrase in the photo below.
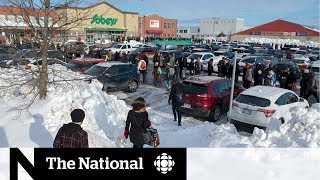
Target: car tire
(215, 113)
(132, 86)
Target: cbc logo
(164, 163)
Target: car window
(253, 100)
(124, 69)
(219, 87)
(124, 47)
(292, 98)
(228, 85)
(129, 46)
(283, 99)
(188, 87)
(113, 70)
(205, 57)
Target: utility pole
(141, 21)
(232, 86)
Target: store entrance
(103, 37)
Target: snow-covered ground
(106, 115)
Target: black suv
(116, 75)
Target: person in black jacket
(176, 98)
(290, 80)
(210, 67)
(258, 74)
(137, 123)
(304, 82)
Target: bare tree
(46, 19)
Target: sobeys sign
(101, 20)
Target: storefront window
(164, 25)
(185, 31)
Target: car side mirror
(301, 99)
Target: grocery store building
(279, 29)
(102, 22)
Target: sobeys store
(101, 23)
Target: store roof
(279, 26)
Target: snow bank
(303, 130)
(281, 42)
(105, 115)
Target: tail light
(234, 104)
(267, 112)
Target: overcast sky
(255, 12)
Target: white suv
(120, 47)
(257, 105)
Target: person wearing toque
(71, 135)
(137, 123)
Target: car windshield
(188, 87)
(253, 100)
(195, 56)
(95, 70)
(117, 46)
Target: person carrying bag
(137, 123)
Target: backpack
(143, 64)
(178, 96)
(159, 71)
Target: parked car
(280, 67)
(202, 55)
(243, 48)
(290, 52)
(227, 54)
(302, 62)
(116, 75)
(314, 55)
(149, 51)
(9, 49)
(276, 53)
(120, 47)
(299, 54)
(255, 106)
(7, 59)
(207, 96)
(315, 68)
(177, 54)
(81, 65)
(74, 47)
(195, 50)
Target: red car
(207, 96)
(80, 65)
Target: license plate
(246, 111)
(187, 105)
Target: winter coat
(175, 90)
(304, 82)
(248, 75)
(137, 123)
(259, 74)
(210, 67)
(311, 85)
(289, 81)
(155, 72)
(197, 66)
(71, 136)
(156, 58)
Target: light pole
(141, 21)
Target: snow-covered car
(120, 47)
(255, 106)
(314, 55)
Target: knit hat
(138, 104)
(306, 71)
(77, 115)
